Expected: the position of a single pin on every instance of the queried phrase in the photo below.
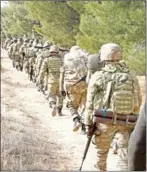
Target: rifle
(82, 79)
(90, 134)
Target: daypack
(119, 95)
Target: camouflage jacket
(74, 68)
(16, 47)
(39, 61)
(23, 49)
(97, 89)
(51, 65)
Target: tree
(16, 21)
(58, 21)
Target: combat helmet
(54, 48)
(61, 48)
(47, 43)
(110, 52)
(74, 48)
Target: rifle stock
(93, 128)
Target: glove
(88, 130)
(63, 93)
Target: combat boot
(77, 123)
(13, 64)
(59, 111)
(83, 130)
(21, 68)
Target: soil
(31, 139)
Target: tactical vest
(119, 93)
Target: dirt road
(31, 139)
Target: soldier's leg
(60, 99)
(13, 61)
(82, 109)
(74, 98)
(118, 151)
(102, 139)
(52, 98)
(21, 63)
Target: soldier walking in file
(71, 83)
(51, 65)
(112, 89)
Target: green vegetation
(86, 23)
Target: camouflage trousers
(54, 95)
(111, 143)
(76, 98)
(26, 66)
(17, 61)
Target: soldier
(114, 89)
(10, 49)
(32, 62)
(7, 41)
(16, 55)
(27, 56)
(22, 52)
(71, 84)
(52, 65)
(45, 53)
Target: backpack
(119, 95)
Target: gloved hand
(88, 130)
(63, 93)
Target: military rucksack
(119, 95)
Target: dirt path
(31, 138)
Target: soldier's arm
(92, 90)
(61, 80)
(13, 49)
(43, 70)
(137, 94)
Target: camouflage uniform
(52, 65)
(39, 63)
(73, 70)
(45, 54)
(10, 49)
(31, 64)
(6, 43)
(27, 56)
(109, 135)
(22, 51)
(15, 55)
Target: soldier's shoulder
(98, 73)
(97, 76)
(46, 60)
